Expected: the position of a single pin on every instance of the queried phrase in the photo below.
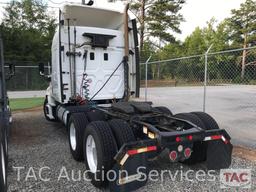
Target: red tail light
(173, 155)
(141, 150)
(190, 137)
(216, 137)
(187, 152)
(178, 139)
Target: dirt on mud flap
(219, 150)
(130, 176)
(131, 166)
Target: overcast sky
(195, 12)
(198, 12)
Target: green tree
(213, 34)
(243, 28)
(158, 18)
(27, 30)
(195, 43)
(221, 37)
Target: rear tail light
(178, 139)
(132, 152)
(190, 137)
(141, 150)
(187, 152)
(173, 155)
(217, 137)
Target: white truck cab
(88, 51)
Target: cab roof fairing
(110, 17)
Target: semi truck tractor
(94, 79)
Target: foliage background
(28, 28)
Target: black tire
(199, 148)
(79, 121)
(45, 111)
(209, 122)
(192, 118)
(3, 170)
(164, 110)
(122, 131)
(106, 148)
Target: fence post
(205, 75)
(146, 78)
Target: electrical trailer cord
(84, 73)
(107, 80)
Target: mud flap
(131, 176)
(219, 154)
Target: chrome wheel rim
(3, 164)
(72, 136)
(91, 154)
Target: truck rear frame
(155, 132)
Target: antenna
(89, 3)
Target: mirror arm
(41, 73)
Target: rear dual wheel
(122, 132)
(102, 140)
(204, 121)
(77, 123)
(99, 150)
(97, 142)
(76, 127)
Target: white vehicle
(87, 47)
(95, 70)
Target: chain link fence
(227, 67)
(222, 83)
(26, 77)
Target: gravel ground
(37, 143)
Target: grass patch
(26, 103)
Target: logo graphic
(235, 178)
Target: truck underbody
(138, 133)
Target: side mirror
(11, 71)
(89, 3)
(41, 68)
(42, 72)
